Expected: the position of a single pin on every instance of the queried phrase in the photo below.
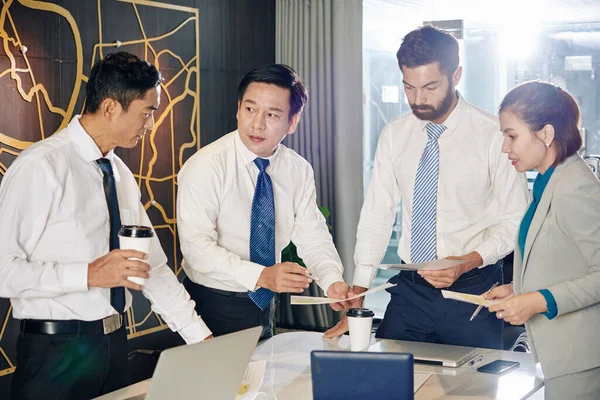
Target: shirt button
(260, 226)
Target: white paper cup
(360, 322)
(135, 237)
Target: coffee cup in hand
(360, 322)
(136, 237)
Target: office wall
(43, 87)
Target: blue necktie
(262, 230)
(117, 295)
(423, 228)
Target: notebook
(361, 375)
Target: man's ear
(294, 123)
(110, 108)
(456, 76)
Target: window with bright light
(503, 44)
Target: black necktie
(117, 295)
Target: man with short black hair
(461, 200)
(242, 199)
(62, 202)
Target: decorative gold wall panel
(159, 158)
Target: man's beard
(430, 113)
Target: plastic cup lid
(360, 312)
(136, 231)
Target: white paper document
(469, 298)
(419, 380)
(442, 263)
(252, 381)
(307, 300)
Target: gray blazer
(562, 254)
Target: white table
(288, 371)
(288, 377)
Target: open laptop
(361, 375)
(212, 369)
(429, 353)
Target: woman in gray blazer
(556, 285)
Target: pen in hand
(480, 307)
(314, 278)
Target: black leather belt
(416, 278)
(227, 293)
(104, 326)
(464, 281)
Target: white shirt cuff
(328, 280)
(196, 332)
(248, 274)
(74, 277)
(363, 276)
(488, 254)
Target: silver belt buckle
(112, 323)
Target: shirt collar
(87, 148)
(247, 156)
(453, 119)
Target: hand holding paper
(434, 265)
(469, 298)
(307, 300)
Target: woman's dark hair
(539, 104)
(427, 45)
(279, 75)
(121, 76)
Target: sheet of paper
(469, 298)
(252, 381)
(442, 263)
(307, 300)
(420, 379)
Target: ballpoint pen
(312, 277)
(475, 360)
(480, 307)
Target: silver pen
(480, 307)
(475, 360)
(312, 277)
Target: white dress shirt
(216, 188)
(55, 221)
(480, 196)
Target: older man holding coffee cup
(62, 204)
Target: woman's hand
(500, 293)
(517, 310)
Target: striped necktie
(262, 230)
(423, 228)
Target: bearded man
(461, 199)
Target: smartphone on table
(498, 367)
